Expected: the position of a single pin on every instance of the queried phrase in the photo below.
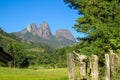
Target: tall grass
(30, 74)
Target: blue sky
(15, 15)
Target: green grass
(116, 76)
(40, 74)
(30, 74)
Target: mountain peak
(44, 24)
(42, 35)
(65, 34)
(31, 27)
(44, 31)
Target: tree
(100, 22)
(18, 53)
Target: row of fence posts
(94, 72)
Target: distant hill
(37, 52)
(42, 35)
(7, 38)
(27, 51)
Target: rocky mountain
(65, 34)
(32, 28)
(42, 31)
(43, 35)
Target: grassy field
(40, 74)
(30, 74)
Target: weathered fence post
(81, 59)
(71, 65)
(94, 67)
(107, 62)
(82, 66)
(112, 62)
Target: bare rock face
(32, 28)
(65, 34)
(42, 35)
(44, 31)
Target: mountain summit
(42, 31)
(65, 34)
(42, 35)
(32, 28)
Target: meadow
(39, 74)
(31, 74)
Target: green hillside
(53, 42)
(24, 52)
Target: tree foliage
(100, 22)
(19, 55)
(60, 56)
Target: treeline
(24, 54)
(24, 57)
(29, 54)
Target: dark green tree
(100, 22)
(18, 53)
